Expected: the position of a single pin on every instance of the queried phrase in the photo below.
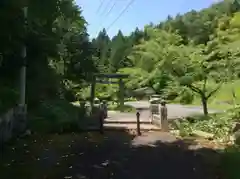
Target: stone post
(154, 107)
(138, 123)
(163, 116)
(101, 118)
(105, 109)
(82, 110)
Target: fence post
(163, 115)
(138, 123)
(101, 118)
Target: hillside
(205, 41)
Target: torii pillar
(121, 95)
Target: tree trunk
(233, 96)
(204, 104)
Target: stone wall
(12, 124)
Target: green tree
(197, 70)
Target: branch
(195, 89)
(204, 84)
(214, 91)
(174, 71)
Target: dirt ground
(114, 155)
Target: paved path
(174, 110)
(127, 126)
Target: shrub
(55, 117)
(8, 98)
(218, 124)
(230, 162)
(186, 97)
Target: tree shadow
(119, 155)
(152, 155)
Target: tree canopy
(196, 51)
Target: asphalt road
(174, 111)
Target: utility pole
(23, 67)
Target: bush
(185, 129)
(8, 98)
(55, 117)
(230, 162)
(186, 97)
(218, 124)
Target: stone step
(125, 121)
(120, 126)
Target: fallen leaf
(64, 156)
(67, 177)
(105, 163)
(81, 177)
(97, 166)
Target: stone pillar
(154, 107)
(82, 110)
(163, 116)
(121, 95)
(20, 119)
(101, 118)
(138, 123)
(105, 109)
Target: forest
(190, 59)
(187, 59)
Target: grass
(126, 108)
(113, 106)
(223, 98)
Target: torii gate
(101, 78)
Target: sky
(139, 14)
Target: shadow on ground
(114, 155)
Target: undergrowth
(56, 116)
(220, 125)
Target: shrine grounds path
(174, 110)
(114, 155)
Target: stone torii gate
(101, 78)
